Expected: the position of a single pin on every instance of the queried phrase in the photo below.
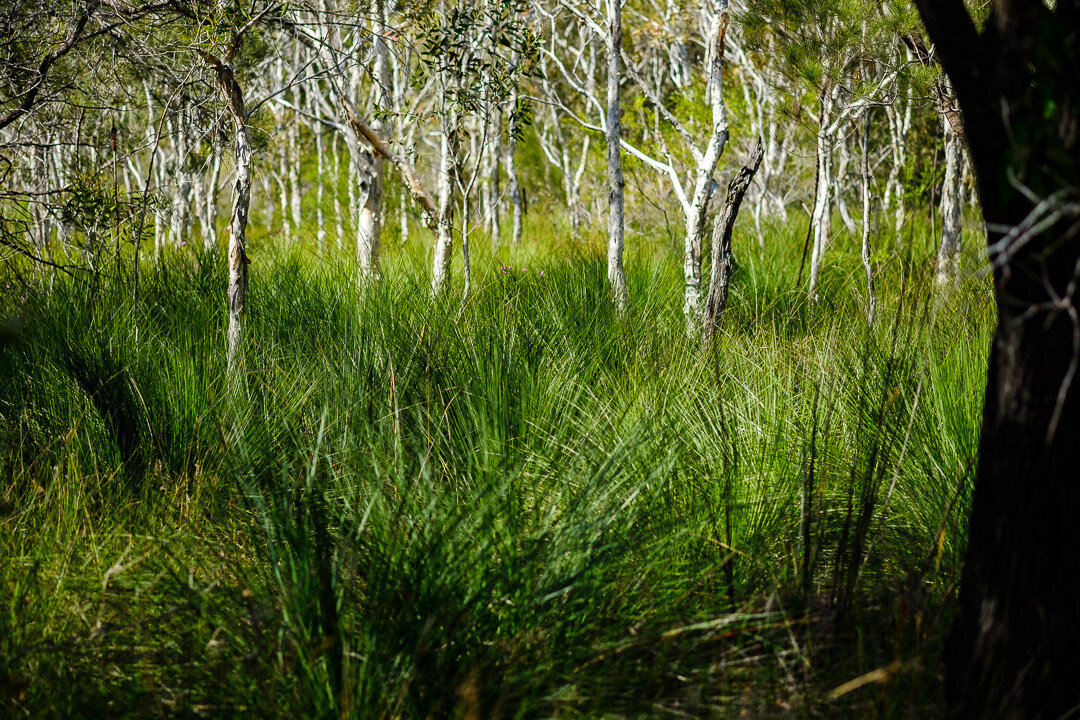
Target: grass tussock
(516, 505)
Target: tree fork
(720, 274)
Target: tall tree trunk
(369, 223)
(238, 261)
(899, 117)
(1012, 651)
(320, 188)
(39, 170)
(444, 240)
(697, 206)
(492, 186)
(210, 203)
(181, 208)
(295, 155)
(339, 224)
(513, 185)
(820, 220)
(283, 187)
(616, 272)
(839, 180)
(951, 204)
(871, 295)
(269, 210)
(161, 212)
(466, 268)
(723, 225)
(573, 183)
(369, 215)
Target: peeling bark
(948, 258)
(616, 271)
(238, 260)
(723, 225)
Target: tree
(606, 26)
(233, 96)
(722, 258)
(477, 56)
(840, 52)
(1012, 651)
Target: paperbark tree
(867, 182)
(477, 57)
(722, 258)
(951, 202)
(238, 218)
(695, 199)
(616, 224)
(370, 221)
(512, 180)
(952, 191)
(1012, 650)
(576, 69)
(565, 152)
(842, 52)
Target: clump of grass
(519, 503)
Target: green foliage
(482, 52)
(524, 505)
(816, 46)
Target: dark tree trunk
(720, 274)
(1014, 649)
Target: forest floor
(520, 505)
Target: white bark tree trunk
(444, 241)
(181, 207)
(704, 182)
(320, 188)
(283, 190)
(839, 179)
(161, 213)
(871, 303)
(822, 214)
(899, 122)
(295, 155)
(951, 204)
(339, 225)
(616, 271)
(238, 261)
(466, 268)
(513, 186)
(210, 204)
(369, 223)
(573, 182)
(491, 189)
(369, 170)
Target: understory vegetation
(519, 505)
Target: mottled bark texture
(616, 271)
(822, 214)
(238, 260)
(1012, 651)
(444, 223)
(723, 225)
(513, 183)
(867, 182)
(948, 258)
(704, 182)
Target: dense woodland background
(425, 360)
